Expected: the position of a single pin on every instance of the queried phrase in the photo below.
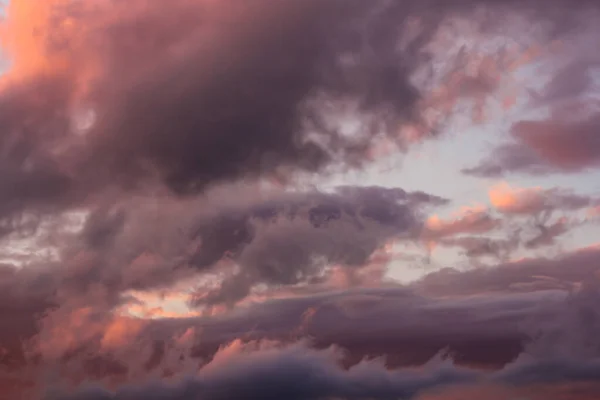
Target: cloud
(546, 146)
(393, 322)
(531, 201)
(25, 296)
(475, 246)
(342, 229)
(136, 142)
(485, 331)
(106, 95)
(509, 158)
(293, 372)
(553, 371)
(467, 220)
(566, 145)
(548, 233)
(209, 108)
(470, 221)
(539, 206)
(520, 218)
(247, 371)
(572, 79)
(568, 391)
(528, 274)
(241, 236)
(563, 137)
(593, 212)
(275, 239)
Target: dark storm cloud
(30, 177)
(230, 92)
(235, 107)
(196, 93)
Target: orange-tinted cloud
(42, 40)
(120, 332)
(593, 212)
(531, 201)
(516, 200)
(467, 220)
(26, 37)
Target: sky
(304, 199)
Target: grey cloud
(24, 297)
(294, 373)
(290, 241)
(30, 178)
(394, 323)
(286, 239)
(509, 158)
(475, 247)
(198, 94)
(277, 238)
(571, 81)
(305, 373)
(548, 233)
(572, 332)
(551, 371)
(369, 381)
(234, 102)
(582, 266)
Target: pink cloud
(467, 220)
(531, 201)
